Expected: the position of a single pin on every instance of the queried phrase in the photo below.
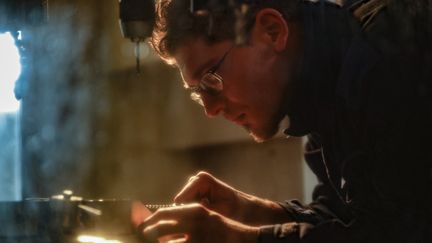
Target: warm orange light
(95, 239)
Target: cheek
(236, 85)
(249, 83)
(247, 89)
(247, 76)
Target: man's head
(245, 83)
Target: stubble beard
(265, 133)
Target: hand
(196, 223)
(139, 213)
(212, 193)
(224, 199)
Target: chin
(263, 130)
(257, 138)
(264, 134)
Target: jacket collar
(336, 57)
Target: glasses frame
(206, 86)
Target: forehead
(196, 56)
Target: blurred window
(10, 165)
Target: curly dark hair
(221, 20)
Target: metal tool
(154, 207)
(137, 18)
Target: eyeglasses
(211, 82)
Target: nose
(213, 105)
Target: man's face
(254, 83)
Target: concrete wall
(119, 134)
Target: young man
(354, 78)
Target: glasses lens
(195, 96)
(212, 83)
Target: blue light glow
(10, 69)
(10, 163)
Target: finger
(190, 191)
(172, 238)
(205, 202)
(192, 178)
(178, 213)
(162, 229)
(182, 240)
(196, 188)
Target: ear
(271, 27)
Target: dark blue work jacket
(364, 100)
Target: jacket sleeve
(388, 191)
(313, 222)
(394, 207)
(329, 219)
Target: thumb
(198, 187)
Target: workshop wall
(91, 124)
